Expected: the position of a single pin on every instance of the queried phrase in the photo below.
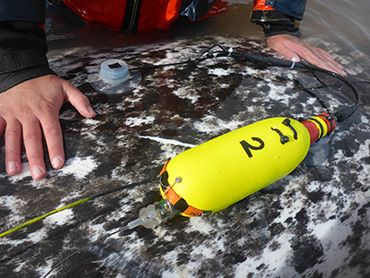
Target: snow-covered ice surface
(314, 222)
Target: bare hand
(29, 111)
(294, 49)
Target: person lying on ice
(32, 95)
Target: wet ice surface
(313, 222)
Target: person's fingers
(54, 140)
(32, 139)
(327, 56)
(328, 65)
(289, 46)
(13, 139)
(335, 66)
(78, 100)
(293, 49)
(304, 52)
(285, 52)
(310, 55)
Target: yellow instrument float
(224, 170)
(228, 168)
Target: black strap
(275, 23)
(132, 14)
(181, 205)
(320, 126)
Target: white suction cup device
(114, 71)
(115, 77)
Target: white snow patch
(203, 251)
(90, 122)
(363, 151)
(220, 72)
(96, 230)
(199, 224)
(181, 270)
(44, 269)
(60, 218)
(276, 259)
(277, 92)
(169, 151)
(20, 266)
(364, 119)
(79, 167)
(186, 93)
(13, 204)
(212, 125)
(38, 235)
(332, 234)
(74, 195)
(24, 174)
(136, 121)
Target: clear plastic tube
(153, 215)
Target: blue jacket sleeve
(293, 8)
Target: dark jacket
(22, 42)
(23, 45)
